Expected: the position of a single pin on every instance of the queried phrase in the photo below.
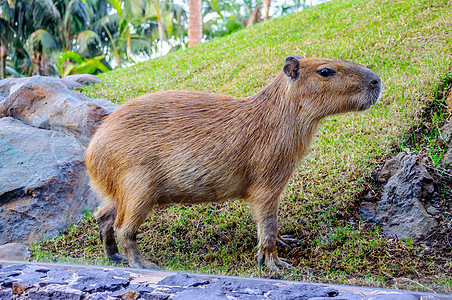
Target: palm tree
(267, 4)
(6, 34)
(194, 22)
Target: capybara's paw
(144, 264)
(118, 259)
(287, 240)
(272, 261)
(151, 265)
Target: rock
(14, 251)
(301, 291)
(183, 280)
(242, 287)
(84, 79)
(97, 281)
(10, 85)
(446, 134)
(390, 296)
(390, 168)
(56, 292)
(44, 183)
(401, 209)
(98, 296)
(447, 158)
(196, 293)
(448, 100)
(128, 294)
(343, 296)
(6, 293)
(46, 103)
(6, 84)
(56, 276)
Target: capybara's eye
(325, 72)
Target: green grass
(407, 44)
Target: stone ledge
(25, 280)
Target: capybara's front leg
(266, 212)
(129, 218)
(130, 247)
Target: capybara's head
(331, 86)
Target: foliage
(73, 63)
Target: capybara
(193, 147)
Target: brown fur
(192, 147)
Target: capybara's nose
(374, 80)
(375, 83)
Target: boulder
(6, 84)
(46, 103)
(44, 130)
(44, 182)
(446, 134)
(10, 85)
(14, 251)
(402, 208)
(84, 79)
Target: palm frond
(42, 41)
(85, 38)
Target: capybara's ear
(292, 66)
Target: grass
(408, 43)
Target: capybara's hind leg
(128, 221)
(105, 217)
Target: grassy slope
(408, 44)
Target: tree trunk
(194, 22)
(267, 4)
(254, 17)
(3, 53)
(159, 23)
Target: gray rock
(156, 296)
(85, 79)
(97, 296)
(301, 292)
(6, 293)
(391, 167)
(390, 296)
(242, 287)
(129, 294)
(44, 183)
(20, 268)
(97, 282)
(56, 276)
(343, 296)
(181, 279)
(446, 132)
(6, 283)
(46, 103)
(198, 293)
(401, 209)
(2, 98)
(56, 292)
(32, 278)
(447, 158)
(6, 84)
(10, 85)
(14, 251)
(446, 135)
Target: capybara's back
(191, 147)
